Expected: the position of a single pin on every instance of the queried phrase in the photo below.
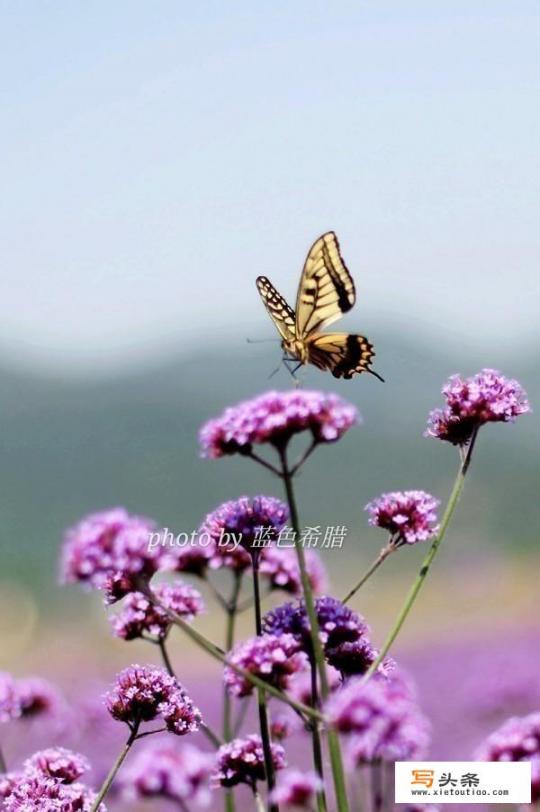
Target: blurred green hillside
(70, 446)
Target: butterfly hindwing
(280, 312)
(343, 354)
(326, 289)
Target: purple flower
(409, 516)
(274, 418)
(192, 559)
(56, 762)
(240, 526)
(273, 658)
(487, 397)
(381, 718)
(241, 761)
(38, 697)
(91, 553)
(141, 693)
(10, 706)
(280, 567)
(518, 739)
(339, 627)
(139, 616)
(34, 792)
(296, 790)
(165, 770)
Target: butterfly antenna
(274, 372)
(376, 374)
(262, 340)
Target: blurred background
(156, 160)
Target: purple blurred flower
(487, 397)
(273, 658)
(141, 693)
(300, 686)
(296, 790)
(280, 567)
(409, 516)
(243, 525)
(518, 739)
(139, 616)
(274, 418)
(34, 792)
(10, 706)
(192, 559)
(382, 719)
(59, 763)
(167, 770)
(241, 761)
(38, 697)
(92, 552)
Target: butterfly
(326, 291)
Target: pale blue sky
(157, 156)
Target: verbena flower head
(91, 553)
(192, 559)
(381, 718)
(9, 701)
(170, 771)
(409, 516)
(142, 693)
(273, 658)
(338, 625)
(241, 761)
(59, 763)
(280, 568)
(518, 739)
(35, 792)
(38, 697)
(243, 525)
(296, 789)
(274, 418)
(139, 616)
(487, 397)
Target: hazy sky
(157, 156)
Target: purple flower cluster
(381, 719)
(273, 658)
(241, 761)
(48, 782)
(274, 418)
(518, 739)
(280, 567)
(296, 790)
(139, 616)
(169, 771)
(344, 633)
(409, 516)
(142, 693)
(243, 525)
(27, 698)
(487, 397)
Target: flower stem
(385, 552)
(316, 740)
(231, 607)
(261, 693)
(3, 765)
(451, 505)
(114, 769)
(318, 653)
(259, 803)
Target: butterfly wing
(326, 289)
(343, 354)
(281, 314)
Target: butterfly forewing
(342, 354)
(326, 289)
(280, 312)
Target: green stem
(385, 552)
(316, 740)
(261, 693)
(219, 655)
(457, 490)
(259, 803)
(114, 769)
(318, 653)
(230, 607)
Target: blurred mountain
(71, 446)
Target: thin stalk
(318, 653)
(377, 789)
(451, 505)
(259, 803)
(114, 769)
(264, 463)
(3, 765)
(219, 655)
(383, 555)
(261, 693)
(231, 607)
(316, 740)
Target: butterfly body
(325, 293)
